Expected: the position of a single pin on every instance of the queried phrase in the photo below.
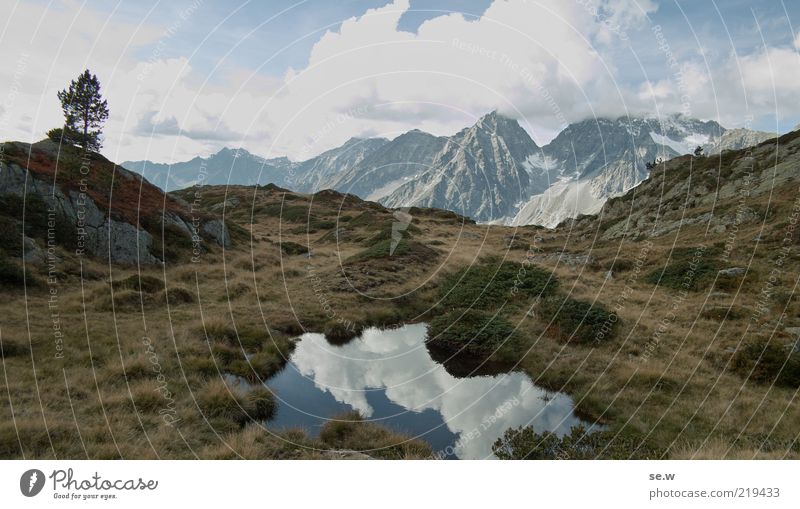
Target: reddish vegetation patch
(132, 200)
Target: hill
(670, 317)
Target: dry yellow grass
(134, 376)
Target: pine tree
(85, 111)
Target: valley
(666, 323)
(492, 171)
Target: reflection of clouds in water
(396, 360)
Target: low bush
(12, 275)
(293, 248)
(257, 368)
(402, 249)
(11, 348)
(579, 321)
(473, 332)
(526, 444)
(124, 300)
(688, 269)
(177, 295)
(289, 213)
(340, 333)
(768, 362)
(140, 283)
(490, 284)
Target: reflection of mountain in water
(389, 376)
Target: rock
(341, 454)
(170, 219)
(719, 295)
(733, 272)
(123, 243)
(217, 230)
(32, 253)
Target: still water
(390, 378)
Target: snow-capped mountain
(322, 171)
(596, 159)
(492, 171)
(480, 172)
(391, 165)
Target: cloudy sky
(286, 77)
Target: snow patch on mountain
(564, 199)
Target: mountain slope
(492, 171)
(391, 165)
(480, 172)
(235, 166)
(601, 158)
(57, 197)
(322, 171)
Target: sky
(186, 78)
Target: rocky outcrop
(714, 192)
(79, 198)
(217, 230)
(480, 172)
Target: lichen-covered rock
(217, 230)
(107, 222)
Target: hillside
(491, 171)
(670, 318)
(87, 205)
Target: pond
(390, 378)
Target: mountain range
(492, 171)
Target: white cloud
(534, 60)
(546, 63)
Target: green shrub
(579, 321)
(389, 249)
(688, 268)
(177, 295)
(30, 211)
(12, 275)
(489, 285)
(257, 368)
(174, 243)
(473, 332)
(61, 136)
(293, 248)
(11, 233)
(340, 333)
(10, 348)
(768, 362)
(526, 444)
(288, 213)
(140, 283)
(313, 225)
